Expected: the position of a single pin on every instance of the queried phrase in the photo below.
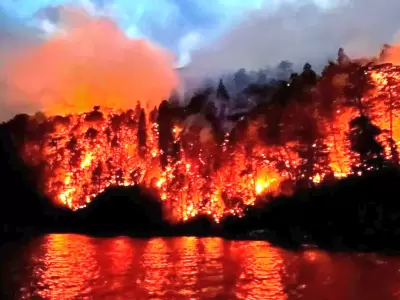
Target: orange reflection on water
(156, 269)
(66, 268)
(120, 253)
(211, 268)
(186, 257)
(260, 271)
(80, 267)
(115, 256)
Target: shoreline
(355, 214)
(258, 235)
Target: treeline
(288, 116)
(300, 114)
(295, 118)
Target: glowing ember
(82, 154)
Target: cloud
(301, 31)
(297, 30)
(91, 62)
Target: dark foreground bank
(356, 213)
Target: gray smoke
(297, 30)
(301, 33)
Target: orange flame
(83, 156)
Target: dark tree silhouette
(313, 153)
(384, 53)
(328, 91)
(142, 134)
(153, 115)
(394, 151)
(308, 76)
(95, 115)
(222, 93)
(363, 140)
(165, 130)
(358, 85)
(342, 58)
(198, 101)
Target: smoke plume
(90, 62)
(301, 31)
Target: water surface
(72, 266)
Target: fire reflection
(260, 271)
(115, 257)
(156, 269)
(121, 252)
(210, 268)
(66, 268)
(79, 267)
(187, 257)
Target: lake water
(71, 266)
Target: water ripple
(79, 267)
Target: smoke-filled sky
(225, 34)
(176, 24)
(180, 25)
(210, 36)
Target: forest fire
(198, 169)
(83, 156)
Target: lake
(69, 266)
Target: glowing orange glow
(92, 64)
(100, 158)
(263, 183)
(265, 264)
(393, 55)
(61, 281)
(156, 266)
(83, 154)
(71, 266)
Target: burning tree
(198, 161)
(359, 84)
(387, 104)
(363, 139)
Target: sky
(209, 40)
(224, 36)
(179, 25)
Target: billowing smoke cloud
(301, 31)
(90, 62)
(52, 77)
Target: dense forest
(222, 151)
